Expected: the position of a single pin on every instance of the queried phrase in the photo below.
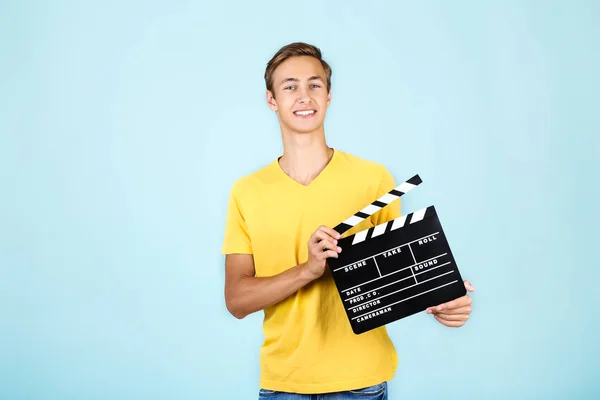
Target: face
(300, 96)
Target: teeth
(305, 112)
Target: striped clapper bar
(395, 269)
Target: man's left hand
(456, 312)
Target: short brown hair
(294, 50)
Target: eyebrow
(312, 78)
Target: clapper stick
(378, 204)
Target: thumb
(469, 287)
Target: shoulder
(364, 166)
(254, 180)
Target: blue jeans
(376, 392)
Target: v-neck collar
(317, 178)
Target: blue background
(123, 126)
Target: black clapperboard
(395, 269)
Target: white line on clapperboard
(415, 260)
(399, 290)
(408, 298)
(378, 254)
(403, 279)
(392, 273)
(377, 266)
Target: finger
(469, 287)
(323, 246)
(313, 239)
(320, 235)
(329, 245)
(330, 231)
(316, 237)
(452, 321)
(327, 254)
(454, 324)
(452, 317)
(454, 311)
(460, 302)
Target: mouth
(305, 113)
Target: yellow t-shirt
(309, 346)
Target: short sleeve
(237, 238)
(392, 210)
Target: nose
(303, 96)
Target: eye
(291, 87)
(314, 85)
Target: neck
(305, 155)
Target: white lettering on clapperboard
(392, 252)
(355, 266)
(374, 314)
(427, 240)
(366, 305)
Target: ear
(271, 101)
(329, 98)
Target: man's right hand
(321, 245)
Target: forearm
(250, 294)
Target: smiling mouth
(305, 113)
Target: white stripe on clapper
(405, 187)
(418, 215)
(370, 209)
(379, 230)
(387, 198)
(399, 222)
(353, 220)
(360, 236)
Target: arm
(245, 293)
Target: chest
(281, 222)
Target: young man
(278, 237)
